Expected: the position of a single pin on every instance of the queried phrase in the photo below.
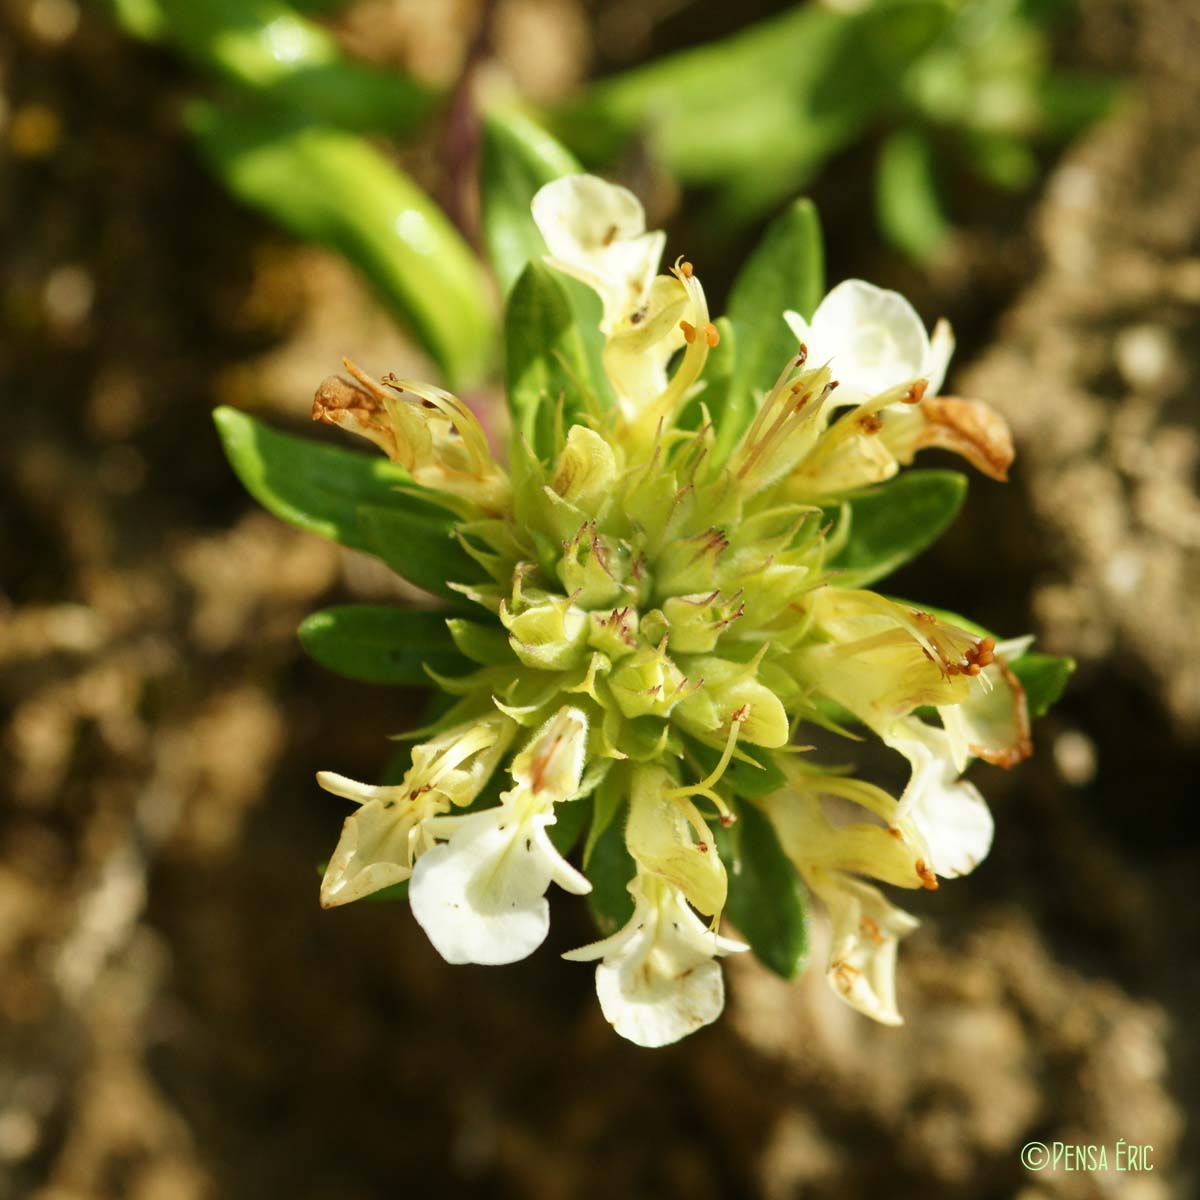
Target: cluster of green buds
(661, 603)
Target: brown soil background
(179, 1020)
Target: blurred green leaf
(1044, 678)
(420, 545)
(907, 204)
(894, 521)
(332, 187)
(519, 156)
(1071, 100)
(767, 902)
(313, 486)
(380, 644)
(1001, 159)
(143, 19)
(544, 363)
(756, 114)
(786, 271)
(267, 47)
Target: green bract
(660, 585)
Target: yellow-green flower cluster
(659, 606)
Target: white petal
(637, 353)
(949, 813)
(866, 933)
(480, 897)
(662, 1008)
(798, 325)
(873, 337)
(373, 852)
(584, 213)
(595, 231)
(993, 722)
(658, 981)
(941, 349)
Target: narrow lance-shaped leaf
(786, 271)
(767, 901)
(519, 157)
(270, 49)
(332, 187)
(420, 545)
(380, 644)
(347, 497)
(894, 521)
(753, 116)
(907, 204)
(313, 486)
(544, 359)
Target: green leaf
(419, 544)
(142, 19)
(894, 521)
(1072, 100)
(753, 117)
(786, 271)
(544, 362)
(1044, 678)
(265, 46)
(907, 204)
(608, 797)
(610, 869)
(767, 902)
(331, 187)
(379, 644)
(570, 817)
(316, 487)
(519, 156)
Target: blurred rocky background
(178, 1018)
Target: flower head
(659, 607)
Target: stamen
(870, 927)
(689, 331)
(686, 269)
(711, 336)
